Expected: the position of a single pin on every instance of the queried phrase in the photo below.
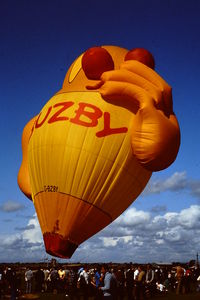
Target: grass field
(173, 296)
(169, 296)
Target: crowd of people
(119, 282)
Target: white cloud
(169, 237)
(11, 206)
(171, 218)
(160, 242)
(133, 217)
(176, 182)
(28, 243)
(172, 234)
(190, 218)
(112, 241)
(33, 235)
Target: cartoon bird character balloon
(93, 147)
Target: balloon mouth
(57, 245)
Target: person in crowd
(5, 285)
(114, 284)
(160, 287)
(110, 284)
(39, 280)
(180, 280)
(129, 280)
(140, 284)
(136, 272)
(62, 279)
(28, 280)
(168, 282)
(135, 277)
(97, 277)
(188, 280)
(1, 281)
(54, 277)
(97, 282)
(46, 279)
(71, 280)
(158, 274)
(120, 276)
(12, 281)
(149, 274)
(83, 283)
(150, 280)
(198, 284)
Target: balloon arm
(155, 134)
(23, 178)
(155, 139)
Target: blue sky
(38, 42)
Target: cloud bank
(177, 182)
(136, 236)
(11, 206)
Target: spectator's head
(104, 268)
(85, 267)
(149, 266)
(140, 268)
(98, 269)
(130, 266)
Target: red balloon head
(95, 61)
(142, 55)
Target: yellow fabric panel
(71, 159)
(23, 178)
(69, 217)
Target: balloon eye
(95, 61)
(142, 55)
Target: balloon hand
(155, 134)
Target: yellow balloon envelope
(81, 180)
(80, 159)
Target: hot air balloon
(94, 145)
